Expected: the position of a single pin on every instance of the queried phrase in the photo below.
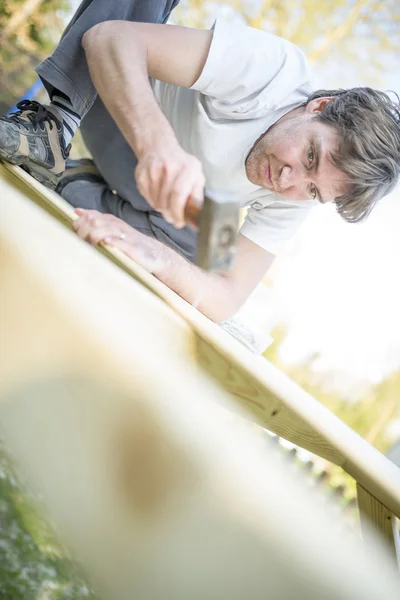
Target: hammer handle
(192, 212)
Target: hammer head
(217, 237)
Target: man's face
(293, 158)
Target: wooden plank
(373, 512)
(154, 484)
(270, 411)
(276, 402)
(208, 339)
(35, 281)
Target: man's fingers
(165, 191)
(166, 179)
(83, 227)
(89, 214)
(96, 227)
(80, 211)
(85, 220)
(198, 192)
(98, 235)
(93, 226)
(143, 183)
(86, 226)
(158, 181)
(178, 199)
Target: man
(169, 111)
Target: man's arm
(218, 297)
(121, 56)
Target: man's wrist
(157, 136)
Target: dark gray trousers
(66, 70)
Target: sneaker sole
(41, 174)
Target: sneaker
(83, 169)
(33, 139)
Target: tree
(363, 34)
(32, 564)
(368, 409)
(29, 30)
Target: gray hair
(368, 124)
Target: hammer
(217, 223)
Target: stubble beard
(257, 153)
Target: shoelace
(38, 116)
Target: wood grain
(373, 512)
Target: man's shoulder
(250, 71)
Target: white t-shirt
(250, 80)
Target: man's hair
(368, 124)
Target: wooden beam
(153, 482)
(273, 399)
(374, 513)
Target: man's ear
(318, 104)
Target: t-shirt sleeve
(272, 226)
(248, 71)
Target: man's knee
(85, 194)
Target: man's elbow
(108, 38)
(99, 33)
(224, 307)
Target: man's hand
(220, 297)
(167, 177)
(95, 227)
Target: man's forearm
(218, 297)
(117, 63)
(212, 294)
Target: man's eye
(310, 155)
(313, 192)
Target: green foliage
(29, 29)
(32, 565)
(369, 411)
(32, 25)
(361, 34)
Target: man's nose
(287, 178)
(296, 178)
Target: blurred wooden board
(157, 487)
(48, 251)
